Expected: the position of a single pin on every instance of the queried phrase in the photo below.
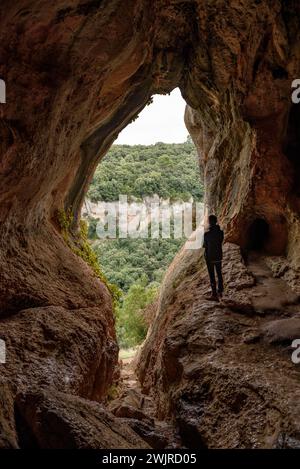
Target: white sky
(162, 121)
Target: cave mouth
(258, 235)
(153, 162)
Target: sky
(162, 121)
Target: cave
(258, 235)
(76, 74)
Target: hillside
(168, 170)
(137, 266)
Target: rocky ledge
(222, 372)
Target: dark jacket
(213, 239)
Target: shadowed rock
(76, 76)
(49, 419)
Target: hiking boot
(212, 297)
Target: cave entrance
(258, 235)
(153, 161)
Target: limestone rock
(8, 437)
(221, 390)
(282, 330)
(50, 419)
(156, 438)
(77, 73)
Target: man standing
(213, 240)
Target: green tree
(131, 326)
(137, 266)
(168, 170)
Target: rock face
(56, 420)
(79, 71)
(211, 367)
(245, 127)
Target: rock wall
(222, 372)
(246, 131)
(77, 72)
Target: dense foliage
(168, 170)
(124, 261)
(131, 327)
(137, 266)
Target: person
(212, 243)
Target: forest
(137, 266)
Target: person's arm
(222, 236)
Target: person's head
(212, 220)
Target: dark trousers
(212, 267)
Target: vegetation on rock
(80, 245)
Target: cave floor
(218, 363)
(270, 293)
(271, 299)
(139, 409)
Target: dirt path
(138, 410)
(128, 376)
(269, 293)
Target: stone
(8, 439)
(76, 75)
(207, 368)
(282, 330)
(156, 438)
(48, 419)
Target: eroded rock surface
(138, 410)
(211, 366)
(49, 419)
(77, 72)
